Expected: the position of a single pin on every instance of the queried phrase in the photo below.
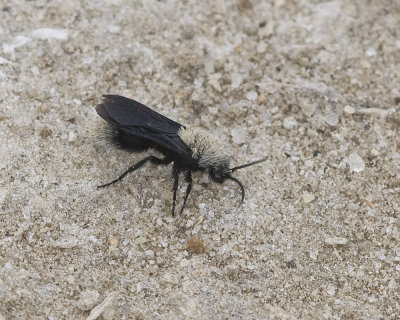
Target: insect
(134, 127)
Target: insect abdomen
(127, 142)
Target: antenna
(247, 164)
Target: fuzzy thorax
(204, 150)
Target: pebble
(313, 254)
(238, 135)
(252, 95)
(236, 80)
(336, 241)
(349, 109)
(308, 109)
(213, 80)
(370, 52)
(184, 263)
(289, 123)
(88, 299)
(331, 290)
(35, 70)
(355, 162)
(261, 47)
(49, 33)
(332, 119)
(267, 30)
(308, 197)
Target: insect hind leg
(136, 166)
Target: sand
(312, 85)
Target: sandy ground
(312, 85)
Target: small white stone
(309, 163)
(308, 108)
(209, 65)
(184, 263)
(336, 241)
(66, 243)
(49, 33)
(252, 95)
(3, 193)
(331, 290)
(197, 187)
(149, 253)
(239, 135)
(9, 266)
(332, 118)
(289, 123)
(114, 29)
(375, 152)
(370, 52)
(349, 109)
(35, 70)
(26, 212)
(70, 279)
(88, 298)
(261, 47)
(355, 162)
(308, 197)
(71, 136)
(236, 80)
(313, 254)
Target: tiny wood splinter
(134, 127)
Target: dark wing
(146, 125)
(127, 112)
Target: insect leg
(152, 159)
(175, 173)
(189, 188)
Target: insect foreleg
(175, 173)
(189, 188)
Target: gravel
(312, 85)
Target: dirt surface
(315, 86)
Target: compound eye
(217, 175)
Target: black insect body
(135, 127)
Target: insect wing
(127, 112)
(137, 120)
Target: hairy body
(134, 127)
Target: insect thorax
(203, 148)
